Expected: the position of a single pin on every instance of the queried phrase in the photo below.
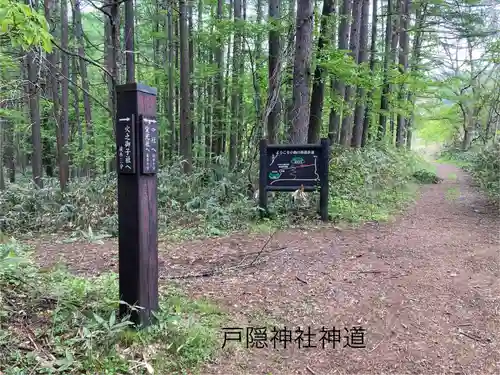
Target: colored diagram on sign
(290, 169)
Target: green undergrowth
(366, 184)
(52, 322)
(483, 164)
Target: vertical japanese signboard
(149, 145)
(125, 134)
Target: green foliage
(485, 168)
(23, 26)
(365, 184)
(54, 322)
(483, 163)
(426, 177)
(370, 183)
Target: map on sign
(293, 168)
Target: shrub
(54, 322)
(483, 163)
(211, 202)
(485, 169)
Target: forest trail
(426, 289)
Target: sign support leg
(263, 178)
(323, 197)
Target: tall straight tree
(218, 128)
(274, 104)
(391, 42)
(318, 90)
(403, 68)
(235, 97)
(357, 132)
(185, 120)
(63, 129)
(421, 14)
(129, 40)
(346, 127)
(171, 79)
(82, 63)
(301, 72)
(339, 85)
(373, 57)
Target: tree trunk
(64, 122)
(391, 40)
(171, 81)
(185, 119)
(362, 58)
(403, 68)
(346, 128)
(339, 85)
(85, 83)
(76, 106)
(2, 170)
(191, 72)
(318, 90)
(34, 106)
(273, 101)
(219, 127)
(288, 86)
(384, 100)
(10, 160)
(421, 14)
(235, 99)
(301, 72)
(129, 41)
(373, 56)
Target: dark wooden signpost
(137, 147)
(291, 167)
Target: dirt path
(426, 289)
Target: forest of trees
(229, 74)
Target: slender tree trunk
(301, 72)
(362, 58)
(421, 14)
(64, 121)
(129, 41)
(384, 101)
(339, 85)
(191, 72)
(219, 82)
(288, 87)
(318, 91)
(346, 127)
(10, 159)
(185, 120)
(403, 68)
(177, 85)
(235, 99)
(227, 76)
(273, 101)
(2, 170)
(76, 106)
(87, 112)
(373, 57)
(34, 106)
(171, 81)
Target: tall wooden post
(137, 146)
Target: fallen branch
(474, 337)
(218, 271)
(303, 281)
